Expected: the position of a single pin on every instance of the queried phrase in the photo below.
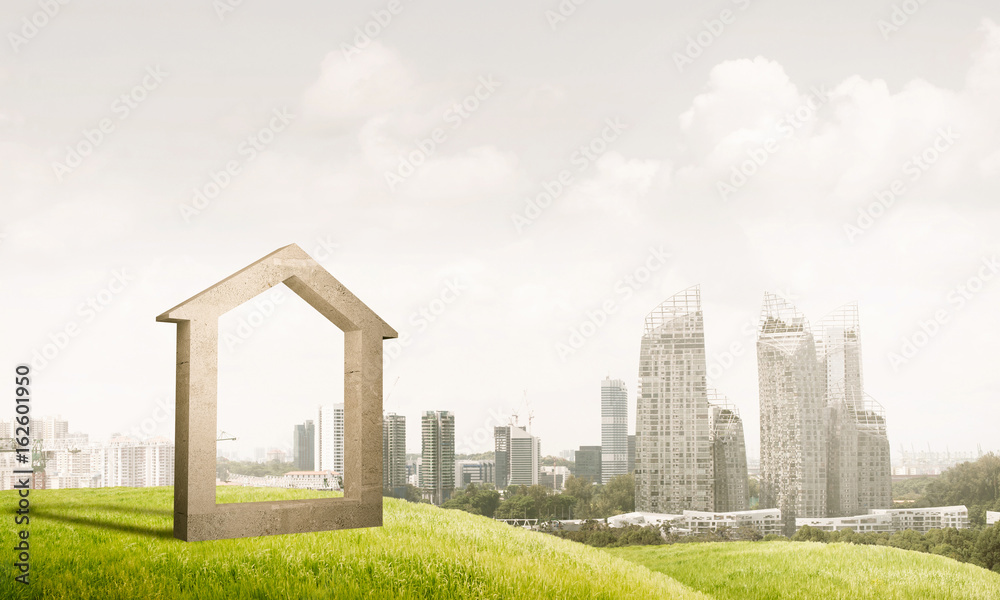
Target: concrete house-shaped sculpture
(196, 515)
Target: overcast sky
(490, 178)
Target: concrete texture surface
(196, 515)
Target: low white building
(295, 480)
(992, 517)
(889, 520)
(925, 519)
(642, 519)
(766, 521)
(694, 522)
(859, 524)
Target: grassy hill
(786, 570)
(117, 543)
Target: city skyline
(529, 202)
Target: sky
(512, 186)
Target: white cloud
(367, 83)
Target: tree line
(580, 499)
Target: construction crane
(225, 437)
(392, 389)
(531, 413)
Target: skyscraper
(674, 460)
(525, 452)
(588, 463)
(394, 453)
(631, 453)
(52, 428)
(614, 429)
(858, 468)
(437, 471)
(501, 454)
(732, 492)
(517, 455)
(330, 438)
(304, 446)
(793, 432)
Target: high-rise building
(859, 474)
(631, 453)
(525, 453)
(674, 459)
(304, 446)
(614, 429)
(394, 453)
(793, 425)
(517, 455)
(588, 463)
(53, 428)
(732, 492)
(501, 454)
(437, 471)
(330, 438)
(127, 462)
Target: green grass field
(117, 543)
(786, 570)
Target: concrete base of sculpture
(274, 518)
(196, 515)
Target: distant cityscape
(825, 455)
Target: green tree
(617, 497)
(986, 552)
(975, 485)
(582, 492)
(753, 485)
(520, 506)
(413, 493)
(810, 534)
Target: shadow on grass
(131, 510)
(156, 532)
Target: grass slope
(117, 543)
(785, 570)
